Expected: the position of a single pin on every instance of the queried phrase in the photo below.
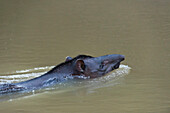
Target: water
(37, 35)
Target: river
(36, 35)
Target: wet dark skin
(82, 65)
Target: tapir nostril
(122, 57)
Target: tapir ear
(80, 66)
(68, 58)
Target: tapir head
(96, 66)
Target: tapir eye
(101, 66)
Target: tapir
(82, 66)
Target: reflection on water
(42, 33)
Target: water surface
(36, 34)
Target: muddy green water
(38, 34)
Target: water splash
(35, 69)
(23, 75)
(111, 79)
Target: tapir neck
(55, 75)
(66, 69)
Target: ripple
(23, 75)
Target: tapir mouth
(112, 65)
(116, 66)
